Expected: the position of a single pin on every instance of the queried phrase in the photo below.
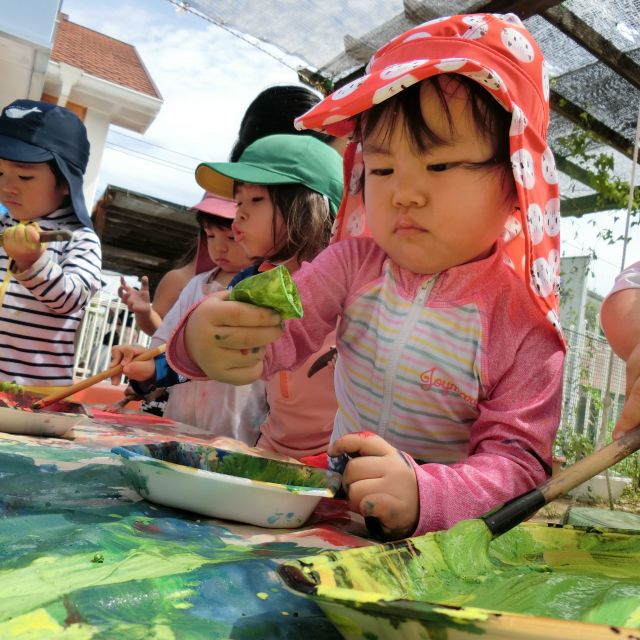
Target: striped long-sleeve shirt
(41, 307)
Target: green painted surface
(556, 572)
(82, 557)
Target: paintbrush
(98, 377)
(511, 513)
(48, 236)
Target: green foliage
(598, 170)
(571, 446)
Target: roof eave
(128, 108)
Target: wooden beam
(582, 205)
(571, 169)
(522, 8)
(594, 42)
(579, 116)
(417, 12)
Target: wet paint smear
(82, 557)
(558, 572)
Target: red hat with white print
(500, 54)
(214, 206)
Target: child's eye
(257, 199)
(380, 172)
(439, 167)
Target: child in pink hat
(450, 355)
(222, 409)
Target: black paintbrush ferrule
(513, 512)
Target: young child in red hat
(450, 356)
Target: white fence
(585, 384)
(106, 322)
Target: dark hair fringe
(492, 120)
(219, 221)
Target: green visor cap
(274, 289)
(279, 159)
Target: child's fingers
(32, 236)
(242, 314)
(363, 443)
(630, 416)
(362, 468)
(395, 519)
(218, 311)
(244, 338)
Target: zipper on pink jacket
(398, 348)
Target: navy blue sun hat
(34, 132)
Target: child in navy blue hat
(44, 287)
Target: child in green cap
(287, 188)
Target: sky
(207, 78)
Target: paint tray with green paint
(274, 289)
(536, 581)
(227, 484)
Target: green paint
(563, 573)
(291, 475)
(81, 557)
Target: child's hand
(124, 354)
(22, 244)
(227, 339)
(137, 301)
(630, 416)
(380, 482)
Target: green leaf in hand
(274, 289)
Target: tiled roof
(101, 56)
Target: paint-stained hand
(22, 244)
(124, 354)
(227, 339)
(630, 416)
(379, 482)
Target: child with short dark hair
(44, 152)
(221, 409)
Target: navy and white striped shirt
(42, 307)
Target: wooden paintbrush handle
(98, 377)
(591, 465)
(513, 512)
(55, 236)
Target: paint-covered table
(82, 556)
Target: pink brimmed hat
(214, 206)
(217, 206)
